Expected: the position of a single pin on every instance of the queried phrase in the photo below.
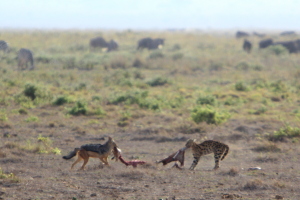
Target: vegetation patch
(209, 115)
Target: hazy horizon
(151, 15)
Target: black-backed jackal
(101, 151)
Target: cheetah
(219, 149)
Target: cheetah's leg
(195, 162)
(217, 159)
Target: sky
(151, 14)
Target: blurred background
(151, 15)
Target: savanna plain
(200, 85)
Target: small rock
(93, 195)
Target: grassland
(200, 85)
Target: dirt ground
(48, 176)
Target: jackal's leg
(77, 161)
(104, 160)
(84, 163)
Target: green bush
(156, 54)
(158, 81)
(206, 100)
(279, 86)
(151, 104)
(36, 93)
(80, 108)
(62, 100)
(130, 97)
(278, 50)
(177, 56)
(241, 86)
(209, 115)
(285, 132)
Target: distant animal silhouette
(265, 43)
(240, 34)
(4, 46)
(149, 43)
(112, 45)
(288, 33)
(25, 56)
(291, 46)
(247, 46)
(101, 151)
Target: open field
(199, 86)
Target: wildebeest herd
(25, 56)
(293, 46)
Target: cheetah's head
(190, 143)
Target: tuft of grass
(158, 81)
(80, 108)
(267, 147)
(241, 86)
(32, 119)
(285, 132)
(278, 50)
(9, 177)
(209, 115)
(254, 185)
(206, 100)
(62, 100)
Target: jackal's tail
(71, 154)
(225, 152)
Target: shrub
(158, 81)
(177, 56)
(285, 132)
(156, 54)
(61, 100)
(241, 86)
(216, 67)
(206, 100)
(130, 97)
(278, 50)
(36, 93)
(151, 104)
(279, 86)
(209, 115)
(137, 63)
(243, 66)
(80, 108)
(32, 119)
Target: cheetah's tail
(225, 152)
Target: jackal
(86, 151)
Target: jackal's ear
(109, 138)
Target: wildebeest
(259, 34)
(157, 43)
(287, 33)
(247, 46)
(25, 56)
(3, 46)
(240, 34)
(112, 45)
(149, 43)
(97, 42)
(291, 46)
(265, 43)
